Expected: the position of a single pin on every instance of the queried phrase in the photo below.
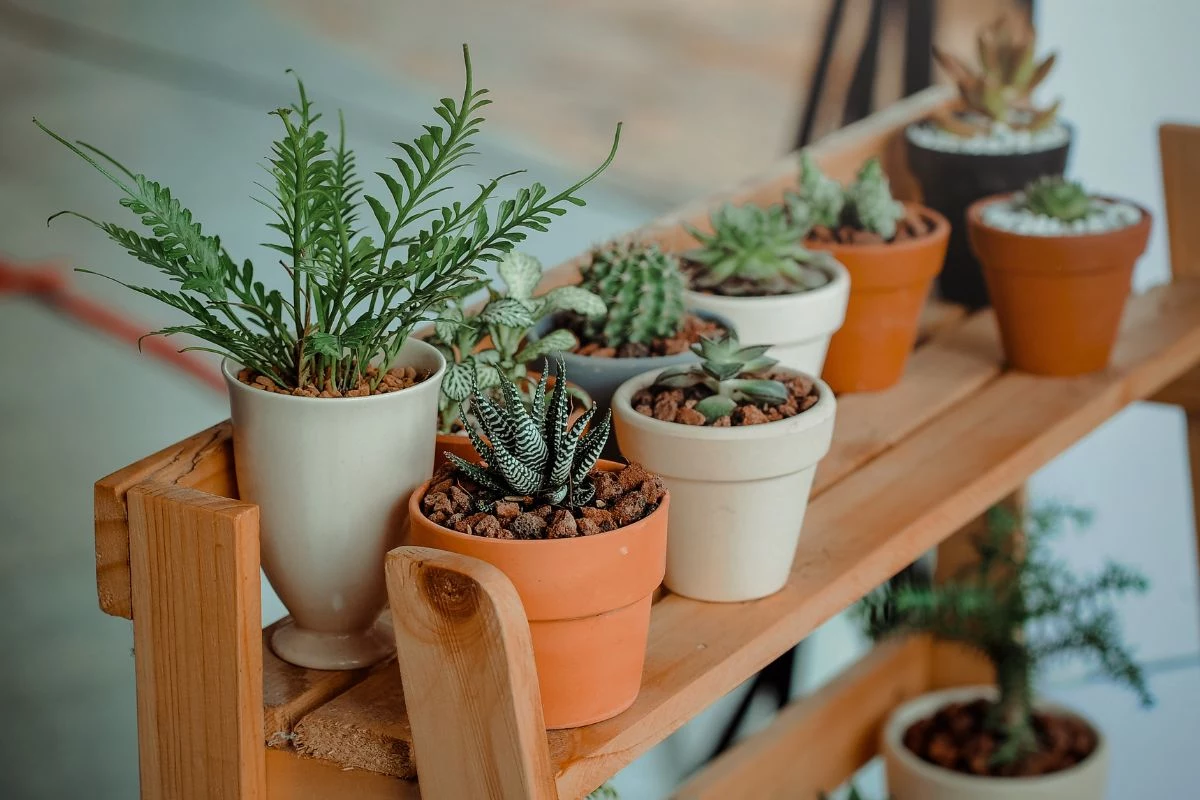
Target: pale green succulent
(1058, 198)
(731, 372)
(867, 204)
(871, 203)
(823, 196)
(643, 290)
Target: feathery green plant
(355, 297)
(533, 451)
(1056, 197)
(760, 246)
(505, 322)
(866, 204)
(643, 290)
(731, 372)
(1020, 608)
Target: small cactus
(871, 202)
(1058, 198)
(823, 196)
(643, 290)
(731, 372)
(867, 204)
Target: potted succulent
(1058, 262)
(1019, 608)
(892, 251)
(495, 343)
(645, 325)
(753, 271)
(583, 541)
(333, 401)
(736, 439)
(994, 140)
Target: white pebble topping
(1002, 140)
(1107, 215)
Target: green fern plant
(504, 323)
(866, 204)
(355, 296)
(642, 288)
(756, 250)
(1056, 197)
(731, 373)
(533, 451)
(1020, 608)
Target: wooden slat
(1179, 147)
(294, 777)
(466, 662)
(816, 743)
(203, 461)
(196, 632)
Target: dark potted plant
(583, 541)
(328, 374)
(994, 140)
(892, 251)
(1019, 608)
(1058, 263)
(736, 438)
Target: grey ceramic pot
(600, 377)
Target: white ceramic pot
(332, 477)
(911, 778)
(738, 494)
(799, 326)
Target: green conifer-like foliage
(642, 288)
(1056, 197)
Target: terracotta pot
(740, 493)
(911, 778)
(798, 326)
(888, 287)
(1058, 299)
(950, 182)
(588, 604)
(326, 474)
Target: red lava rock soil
(956, 738)
(622, 498)
(678, 405)
(914, 225)
(693, 329)
(397, 378)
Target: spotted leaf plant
(532, 450)
(734, 374)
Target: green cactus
(823, 196)
(731, 372)
(532, 451)
(643, 289)
(761, 246)
(867, 204)
(871, 203)
(1056, 197)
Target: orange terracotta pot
(888, 287)
(1058, 299)
(588, 604)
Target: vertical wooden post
(466, 664)
(194, 566)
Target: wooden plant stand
(220, 717)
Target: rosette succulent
(734, 374)
(1057, 197)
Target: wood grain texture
(203, 461)
(1179, 148)
(291, 776)
(819, 741)
(466, 663)
(197, 653)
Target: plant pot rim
(894, 728)
(975, 220)
(434, 378)
(809, 418)
(941, 230)
(645, 362)
(839, 284)
(414, 508)
(984, 156)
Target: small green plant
(355, 296)
(867, 204)
(1056, 197)
(605, 791)
(532, 450)
(823, 198)
(731, 372)
(643, 290)
(1001, 90)
(504, 323)
(756, 250)
(1020, 608)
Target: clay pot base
(955, 739)
(397, 378)
(678, 405)
(334, 651)
(693, 329)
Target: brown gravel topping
(622, 498)
(914, 225)
(397, 378)
(694, 328)
(678, 405)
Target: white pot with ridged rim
(798, 326)
(738, 494)
(912, 778)
(332, 477)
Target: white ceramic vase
(738, 494)
(799, 326)
(911, 778)
(332, 477)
